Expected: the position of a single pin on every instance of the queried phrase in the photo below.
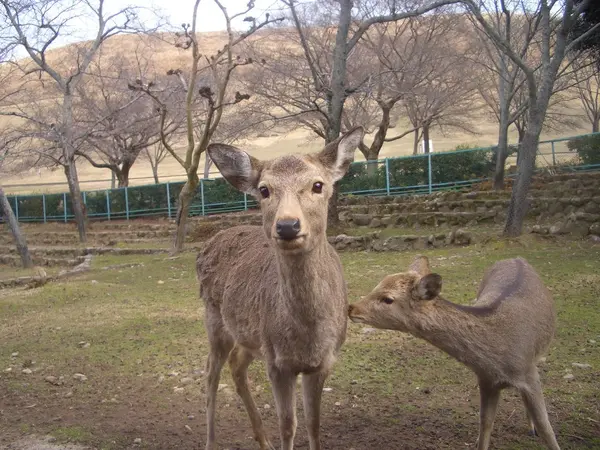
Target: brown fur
(281, 300)
(500, 337)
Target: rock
(591, 207)
(375, 223)
(267, 406)
(191, 417)
(594, 238)
(558, 228)
(595, 228)
(327, 389)
(338, 404)
(539, 229)
(161, 378)
(173, 374)
(569, 377)
(591, 341)
(137, 441)
(188, 428)
(14, 354)
(462, 237)
(94, 281)
(8, 370)
(80, 377)
(160, 282)
(361, 220)
(55, 381)
(581, 366)
(178, 390)
(83, 344)
(186, 380)
(368, 330)
(580, 229)
(69, 394)
(221, 387)
(27, 371)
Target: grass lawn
(147, 348)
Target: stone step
(429, 219)
(76, 252)
(376, 242)
(15, 261)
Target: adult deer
(277, 291)
(500, 337)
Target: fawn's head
(293, 190)
(400, 301)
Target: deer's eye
(317, 187)
(387, 300)
(264, 191)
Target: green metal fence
(410, 175)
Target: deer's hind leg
(239, 360)
(532, 396)
(489, 396)
(221, 344)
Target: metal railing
(408, 175)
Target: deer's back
(520, 307)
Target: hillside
(164, 56)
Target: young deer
(277, 291)
(500, 337)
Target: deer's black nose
(288, 229)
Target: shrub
(587, 148)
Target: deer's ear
(428, 287)
(237, 167)
(339, 154)
(420, 265)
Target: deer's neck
(460, 331)
(309, 282)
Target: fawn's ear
(428, 287)
(339, 154)
(420, 265)
(237, 167)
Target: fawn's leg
(536, 409)
(239, 360)
(489, 396)
(284, 387)
(312, 389)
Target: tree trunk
(183, 209)
(155, 172)
(501, 155)
(207, 165)
(123, 174)
(113, 180)
(76, 200)
(426, 137)
(519, 204)
(13, 225)
(337, 94)
(596, 124)
(416, 143)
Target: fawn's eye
(317, 187)
(387, 300)
(264, 191)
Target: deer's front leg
(284, 391)
(312, 388)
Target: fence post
(387, 176)
(553, 155)
(44, 206)
(430, 172)
(65, 205)
(168, 200)
(108, 204)
(17, 207)
(126, 204)
(245, 202)
(202, 193)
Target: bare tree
(207, 86)
(35, 26)
(121, 122)
(587, 75)
(155, 154)
(326, 91)
(13, 225)
(555, 25)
